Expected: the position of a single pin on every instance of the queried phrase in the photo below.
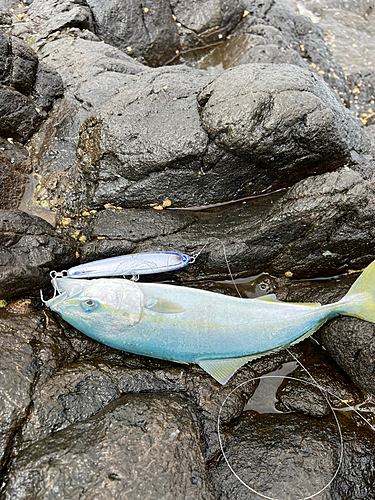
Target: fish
(131, 265)
(187, 325)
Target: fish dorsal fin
(271, 297)
(222, 369)
(164, 306)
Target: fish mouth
(55, 301)
(66, 289)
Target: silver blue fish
(131, 264)
(187, 325)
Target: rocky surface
(250, 119)
(29, 250)
(14, 174)
(105, 134)
(23, 87)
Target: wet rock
(307, 39)
(127, 159)
(15, 168)
(264, 446)
(30, 352)
(321, 227)
(201, 22)
(30, 248)
(130, 446)
(144, 164)
(257, 44)
(351, 343)
(24, 85)
(271, 33)
(278, 114)
(54, 15)
(19, 116)
(362, 99)
(129, 227)
(92, 72)
(146, 30)
(18, 64)
(47, 87)
(314, 397)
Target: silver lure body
(130, 265)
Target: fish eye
(89, 305)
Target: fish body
(187, 325)
(131, 264)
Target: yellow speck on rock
(245, 13)
(85, 214)
(10, 139)
(77, 255)
(158, 207)
(289, 274)
(145, 10)
(129, 49)
(82, 239)
(167, 203)
(220, 36)
(65, 221)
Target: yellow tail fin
(361, 296)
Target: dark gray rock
(26, 359)
(260, 447)
(259, 43)
(54, 15)
(128, 159)
(29, 249)
(362, 98)
(201, 22)
(146, 29)
(140, 446)
(19, 116)
(283, 125)
(304, 395)
(27, 90)
(278, 115)
(321, 227)
(15, 169)
(48, 86)
(307, 39)
(351, 343)
(18, 64)
(92, 72)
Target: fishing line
(312, 383)
(208, 242)
(334, 414)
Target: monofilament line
(334, 414)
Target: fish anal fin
(164, 306)
(271, 297)
(223, 369)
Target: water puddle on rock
(349, 28)
(264, 398)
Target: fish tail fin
(360, 299)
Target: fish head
(99, 307)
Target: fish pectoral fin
(164, 306)
(223, 369)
